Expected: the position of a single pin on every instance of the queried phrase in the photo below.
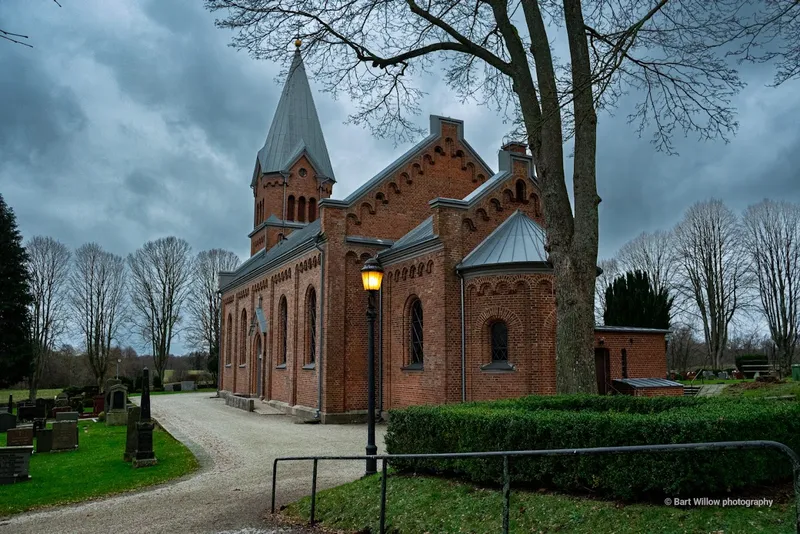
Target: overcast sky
(130, 121)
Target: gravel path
(231, 492)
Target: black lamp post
(371, 276)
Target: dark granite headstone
(14, 462)
(65, 435)
(39, 424)
(62, 399)
(67, 416)
(20, 437)
(144, 428)
(10, 403)
(134, 414)
(7, 420)
(44, 440)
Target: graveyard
(112, 448)
(95, 469)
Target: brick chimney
(515, 146)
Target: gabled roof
(420, 240)
(295, 128)
(518, 240)
(436, 132)
(263, 259)
(421, 232)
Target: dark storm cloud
(130, 121)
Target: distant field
(22, 394)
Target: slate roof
(649, 382)
(262, 258)
(422, 232)
(518, 240)
(295, 128)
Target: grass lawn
(94, 470)
(417, 504)
(22, 394)
(203, 390)
(764, 389)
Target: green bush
(566, 422)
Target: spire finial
(298, 42)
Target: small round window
(303, 172)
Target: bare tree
(652, 254)
(204, 301)
(49, 266)
(683, 350)
(498, 53)
(160, 281)
(98, 288)
(609, 271)
(712, 270)
(772, 237)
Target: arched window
(415, 334)
(301, 209)
(311, 314)
(520, 191)
(229, 340)
(312, 209)
(290, 208)
(499, 335)
(283, 316)
(243, 339)
(624, 363)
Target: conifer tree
(15, 297)
(631, 300)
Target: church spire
(295, 128)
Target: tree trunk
(575, 367)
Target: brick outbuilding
(467, 307)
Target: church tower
(293, 170)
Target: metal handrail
(677, 447)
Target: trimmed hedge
(602, 421)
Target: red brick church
(466, 311)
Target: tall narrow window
(499, 331)
(243, 339)
(229, 340)
(312, 209)
(624, 363)
(284, 328)
(415, 323)
(301, 209)
(520, 191)
(290, 208)
(311, 307)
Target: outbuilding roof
(649, 382)
(295, 128)
(519, 239)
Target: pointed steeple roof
(295, 128)
(519, 239)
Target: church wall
(421, 278)
(526, 304)
(646, 353)
(398, 204)
(307, 271)
(281, 382)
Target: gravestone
(7, 421)
(29, 412)
(14, 462)
(65, 435)
(145, 456)
(10, 403)
(110, 383)
(169, 387)
(58, 410)
(187, 385)
(117, 406)
(134, 414)
(67, 416)
(99, 404)
(44, 440)
(20, 436)
(62, 399)
(39, 424)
